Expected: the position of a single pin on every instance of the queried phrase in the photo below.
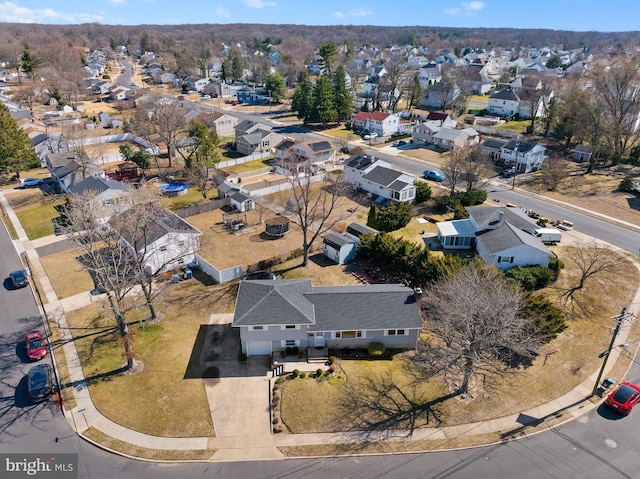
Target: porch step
(317, 359)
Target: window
(391, 332)
(397, 332)
(163, 248)
(348, 334)
(400, 332)
(256, 328)
(337, 334)
(290, 326)
(290, 343)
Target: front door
(319, 340)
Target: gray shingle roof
(358, 229)
(336, 240)
(494, 143)
(159, 224)
(487, 217)
(266, 302)
(97, 185)
(379, 306)
(523, 146)
(326, 308)
(505, 95)
(382, 176)
(507, 236)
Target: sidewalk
(236, 440)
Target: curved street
(597, 444)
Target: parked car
(35, 345)
(509, 172)
(370, 136)
(206, 97)
(624, 397)
(30, 182)
(399, 143)
(18, 279)
(39, 382)
(433, 175)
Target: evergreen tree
(276, 87)
(343, 100)
(328, 54)
(324, 109)
(416, 92)
(302, 101)
(29, 63)
(145, 42)
(372, 220)
(237, 65)
(227, 72)
(16, 152)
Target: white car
(30, 182)
(206, 97)
(370, 136)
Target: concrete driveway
(239, 395)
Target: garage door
(256, 348)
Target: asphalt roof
(505, 95)
(382, 176)
(326, 308)
(488, 216)
(97, 185)
(360, 162)
(508, 236)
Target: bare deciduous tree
(594, 262)
(315, 201)
(475, 324)
(554, 171)
(466, 166)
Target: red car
(35, 345)
(625, 396)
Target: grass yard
(66, 274)
(515, 126)
(380, 395)
(161, 400)
(248, 166)
(561, 365)
(35, 211)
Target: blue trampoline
(174, 188)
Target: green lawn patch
(515, 126)
(249, 166)
(38, 220)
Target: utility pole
(619, 320)
(515, 168)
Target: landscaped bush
(332, 360)
(319, 373)
(295, 373)
(393, 217)
(296, 253)
(549, 319)
(530, 278)
(423, 191)
(376, 349)
(626, 184)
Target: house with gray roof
(502, 236)
(376, 176)
(299, 157)
(273, 315)
(165, 240)
(107, 195)
(69, 169)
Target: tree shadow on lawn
(384, 410)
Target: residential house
(440, 95)
(382, 123)
(425, 132)
(304, 156)
(255, 138)
(492, 147)
(68, 169)
(252, 95)
(376, 177)
(107, 195)
(504, 103)
(502, 236)
(223, 123)
(193, 83)
(451, 139)
(119, 93)
(444, 119)
(429, 75)
(273, 315)
(166, 241)
(526, 156)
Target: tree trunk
(468, 370)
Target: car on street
(433, 175)
(624, 397)
(18, 279)
(35, 345)
(39, 382)
(30, 182)
(399, 143)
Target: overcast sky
(576, 15)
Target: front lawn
(37, 217)
(310, 405)
(162, 399)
